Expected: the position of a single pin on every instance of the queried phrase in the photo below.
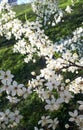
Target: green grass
(22, 10)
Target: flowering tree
(58, 83)
(47, 11)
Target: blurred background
(19, 1)
(23, 1)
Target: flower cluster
(76, 116)
(47, 121)
(54, 85)
(72, 43)
(9, 25)
(12, 88)
(47, 11)
(76, 86)
(13, 93)
(68, 9)
(38, 43)
(9, 119)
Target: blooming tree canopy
(47, 11)
(53, 85)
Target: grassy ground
(14, 62)
(22, 10)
